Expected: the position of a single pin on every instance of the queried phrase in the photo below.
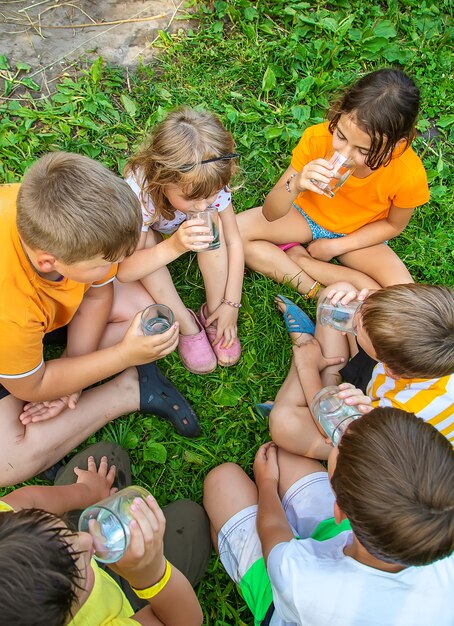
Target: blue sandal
(263, 409)
(296, 320)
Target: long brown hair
(385, 105)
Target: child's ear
(339, 515)
(46, 262)
(390, 373)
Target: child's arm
(272, 524)
(89, 322)
(60, 377)
(191, 235)
(92, 486)
(227, 315)
(368, 235)
(144, 565)
(280, 199)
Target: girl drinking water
(186, 166)
(373, 124)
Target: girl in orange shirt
(373, 124)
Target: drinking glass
(342, 168)
(108, 523)
(339, 316)
(156, 319)
(210, 218)
(333, 415)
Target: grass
(269, 70)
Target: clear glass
(333, 415)
(156, 319)
(211, 219)
(343, 167)
(108, 523)
(339, 316)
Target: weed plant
(268, 69)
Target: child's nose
(201, 205)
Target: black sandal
(159, 397)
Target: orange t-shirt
(402, 183)
(30, 305)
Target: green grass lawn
(268, 69)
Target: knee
(220, 477)
(280, 423)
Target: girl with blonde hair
(186, 165)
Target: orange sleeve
(314, 144)
(413, 188)
(21, 352)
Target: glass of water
(339, 316)
(156, 319)
(108, 523)
(331, 412)
(342, 168)
(210, 219)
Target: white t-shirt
(315, 584)
(159, 223)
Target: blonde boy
(408, 328)
(61, 233)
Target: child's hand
(192, 235)
(345, 296)
(226, 318)
(41, 411)
(136, 348)
(320, 170)
(324, 249)
(98, 481)
(308, 356)
(144, 564)
(266, 467)
(355, 397)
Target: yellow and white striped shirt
(431, 399)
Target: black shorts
(358, 370)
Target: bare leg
(380, 263)
(333, 343)
(262, 254)
(213, 265)
(160, 286)
(292, 467)
(226, 491)
(26, 451)
(292, 426)
(327, 273)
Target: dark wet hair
(394, 480)
(38, 569)
(385, 105)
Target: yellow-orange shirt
(402, 183)
(30, 305)
(430, 399)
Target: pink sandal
(196, 352)
(225, 356)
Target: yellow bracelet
(151, 592)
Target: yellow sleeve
(5, 507)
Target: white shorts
(306, 503)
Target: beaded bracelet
(313, 290)
(151, 592)
(287, 183)
(236, 305)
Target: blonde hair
(173, 155)
(411, 328)
(77, 209)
